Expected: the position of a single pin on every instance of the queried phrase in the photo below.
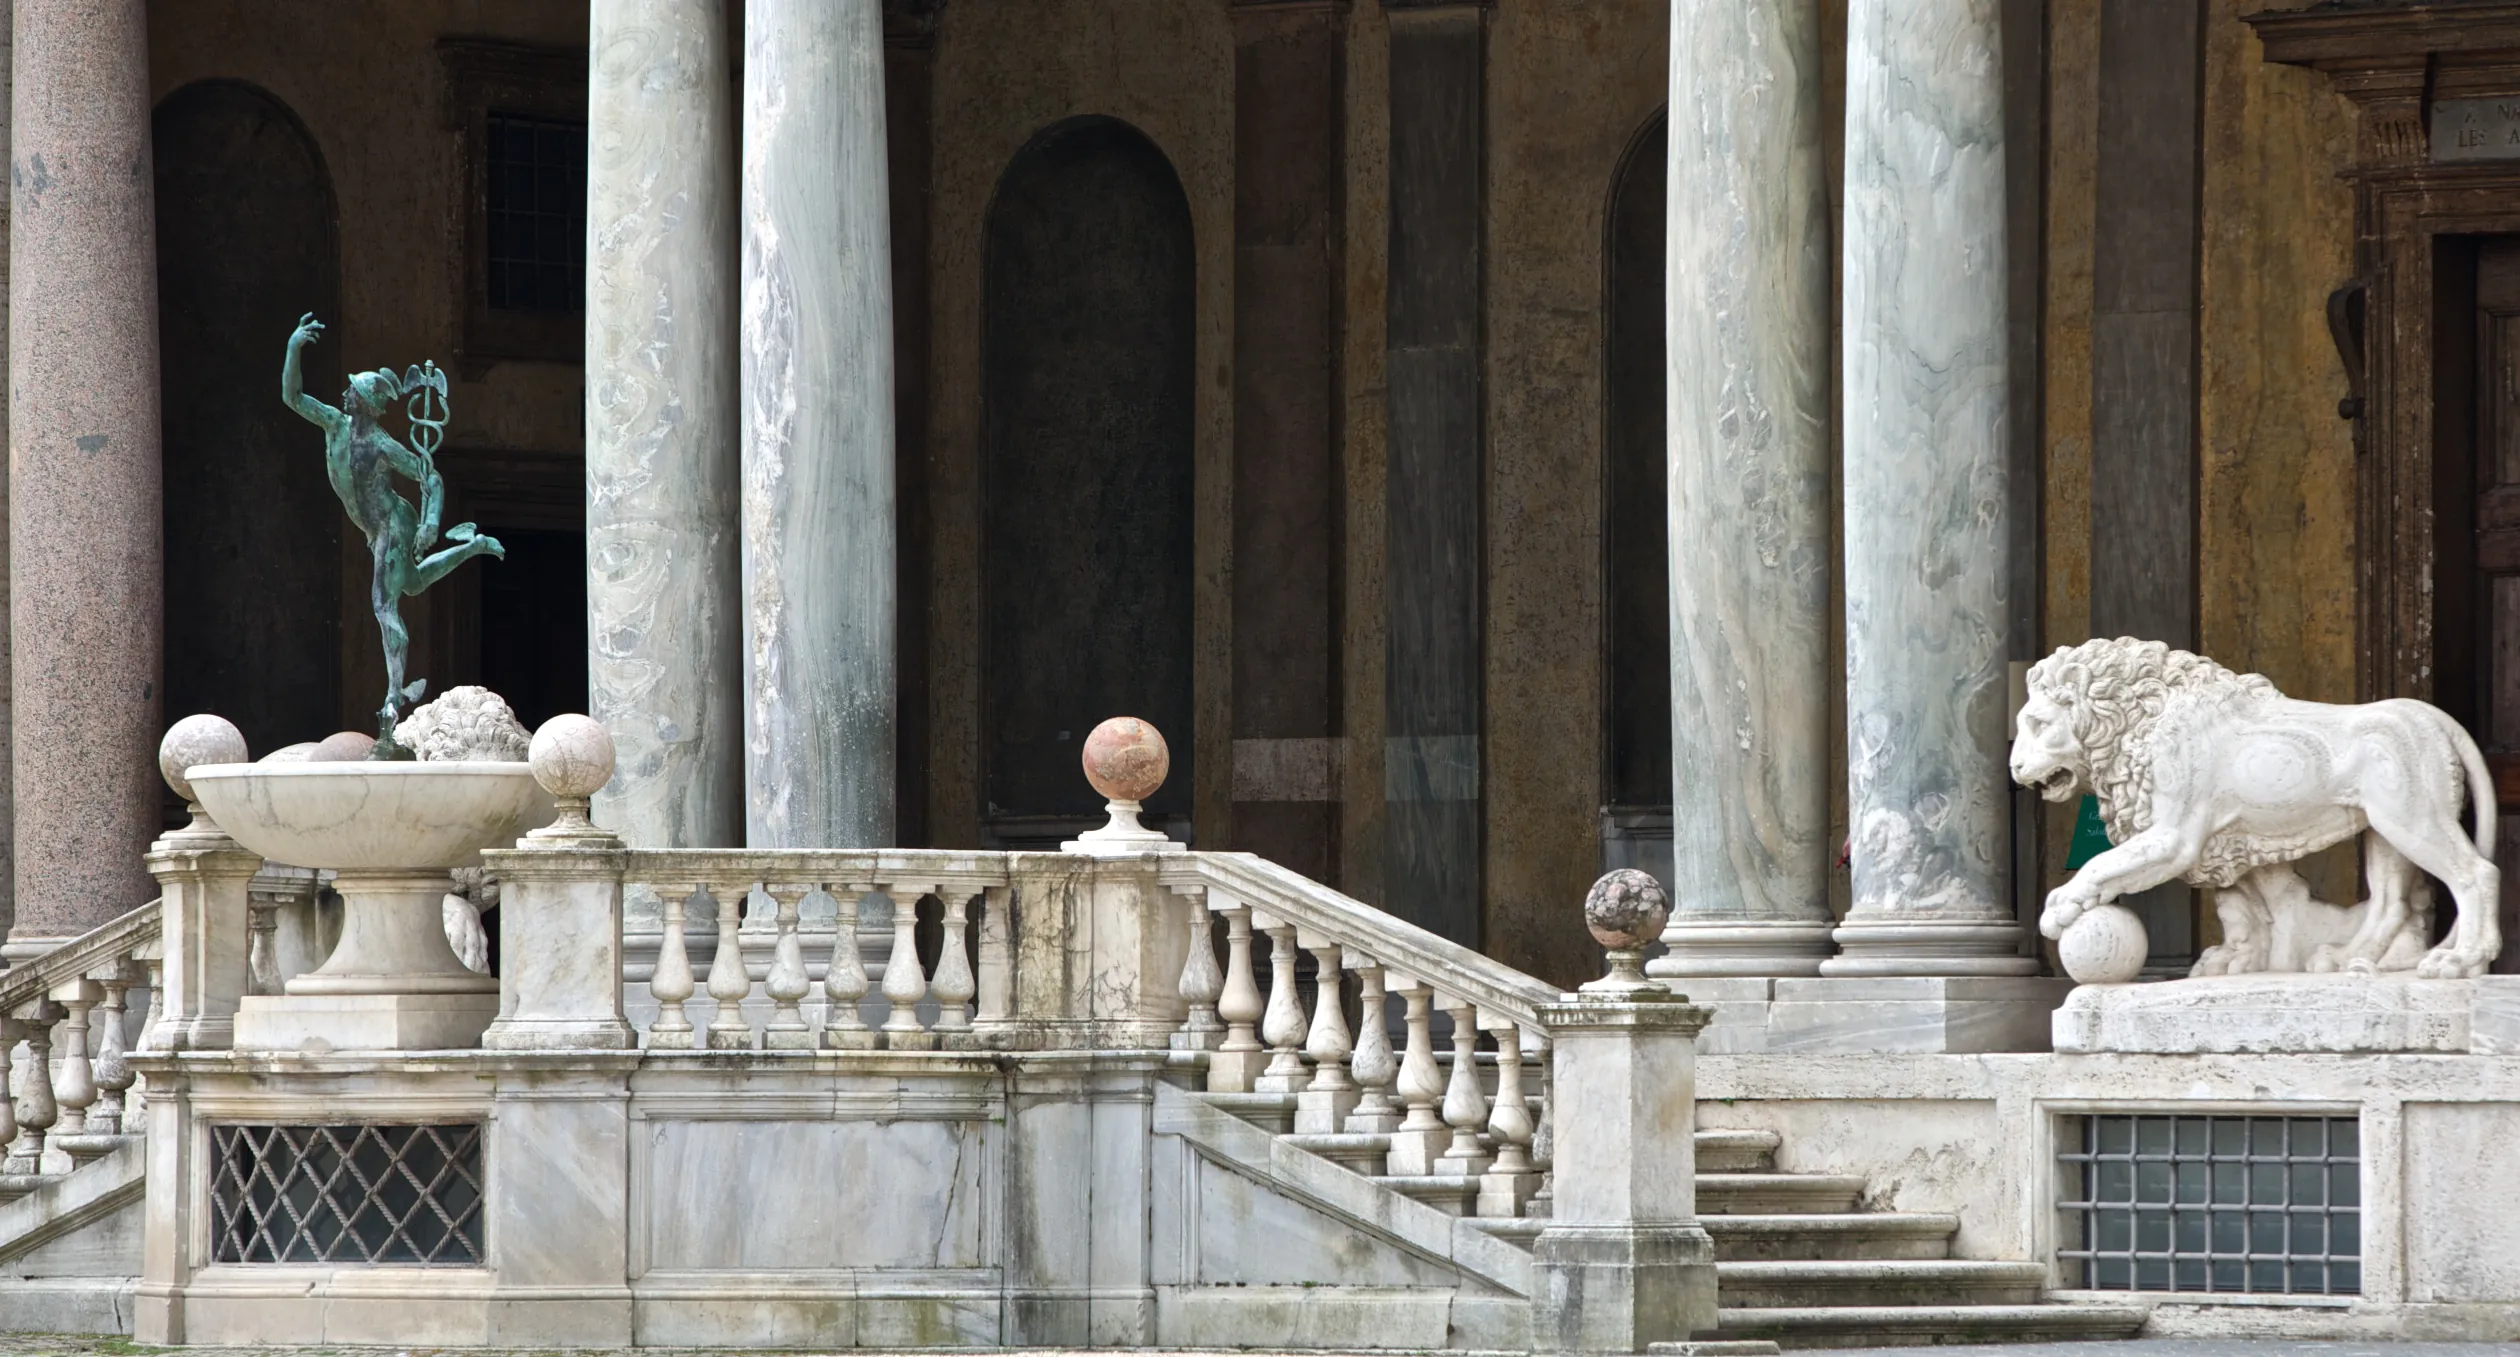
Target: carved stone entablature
(2399, 62)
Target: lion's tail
(2480, 781)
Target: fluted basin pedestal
(391, 832)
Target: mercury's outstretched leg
(435, 568)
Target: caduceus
(362, 457)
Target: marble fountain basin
(373, 817)
(390, 833)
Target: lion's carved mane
(2117, 693)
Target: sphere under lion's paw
(2106, 946)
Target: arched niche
(1087, 362)
(246, 243)
(1636, 658)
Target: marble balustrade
(1472, 1121)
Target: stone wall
(372, 92)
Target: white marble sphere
(2106, 946)
(373, 816)
(572, 756)
(1126, 759)
(1626, 909)
(194, 741)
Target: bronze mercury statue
(363, 457)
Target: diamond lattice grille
(399, 1195)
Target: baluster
(11, 1033)
(1509, 1182)
(1200, 981)
(1544, 1140)
(904, 983)
(729, 982)
(1236, 1063)
(1465, 1104)
(1283, 1027)
(36, 1110)
(135, 1102)
(1373, 1066)
(1420, 1136)
(954, 987)
(787, 984)
(1325, 1102)
(262, 953)
(74, 1084)
(114, 1074)
(152, 959)
(844, 980)
(671, 981)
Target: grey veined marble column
(1925, 493)
(84, 515)
(663, 609)
(817, 409)
(1747, 301)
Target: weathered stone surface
(665, 658)
(817, 391)
(1749, 399)
(84, 551)
(1927, 539)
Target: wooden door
(2489, 593)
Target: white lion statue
(2217, 779)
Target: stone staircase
(1797, 1261)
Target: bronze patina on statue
(363, 457)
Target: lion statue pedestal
(2216, 779)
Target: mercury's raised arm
(293, 379)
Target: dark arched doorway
(246, 243)
(1636, 656)
(1086, 470)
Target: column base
(1916, 1014)
(1619, 1288)
(1894, 945)
(560, 1034)
(1743, 947)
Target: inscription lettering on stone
(2476, 129)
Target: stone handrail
(36, 977)
(1401, 946)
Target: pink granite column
(84, 525)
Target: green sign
(2091, 838)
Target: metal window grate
(398, 1195)
(537, 211)
(2246, 1204)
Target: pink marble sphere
(1626, 909)
(1126, 759)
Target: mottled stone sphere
(2106, 946)
(572, 756)
(1126, 759)
(295, 753)
(195, 741)
(347, 746)
(1626, 909)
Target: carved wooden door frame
(2396, 64)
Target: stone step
(1775, 1194)
(1736, 1151)
(1889, 1234)
(1271, 1112)
(1356, 1153)
(1452, 1194)
(1869, 1326)
(1766, 1284)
